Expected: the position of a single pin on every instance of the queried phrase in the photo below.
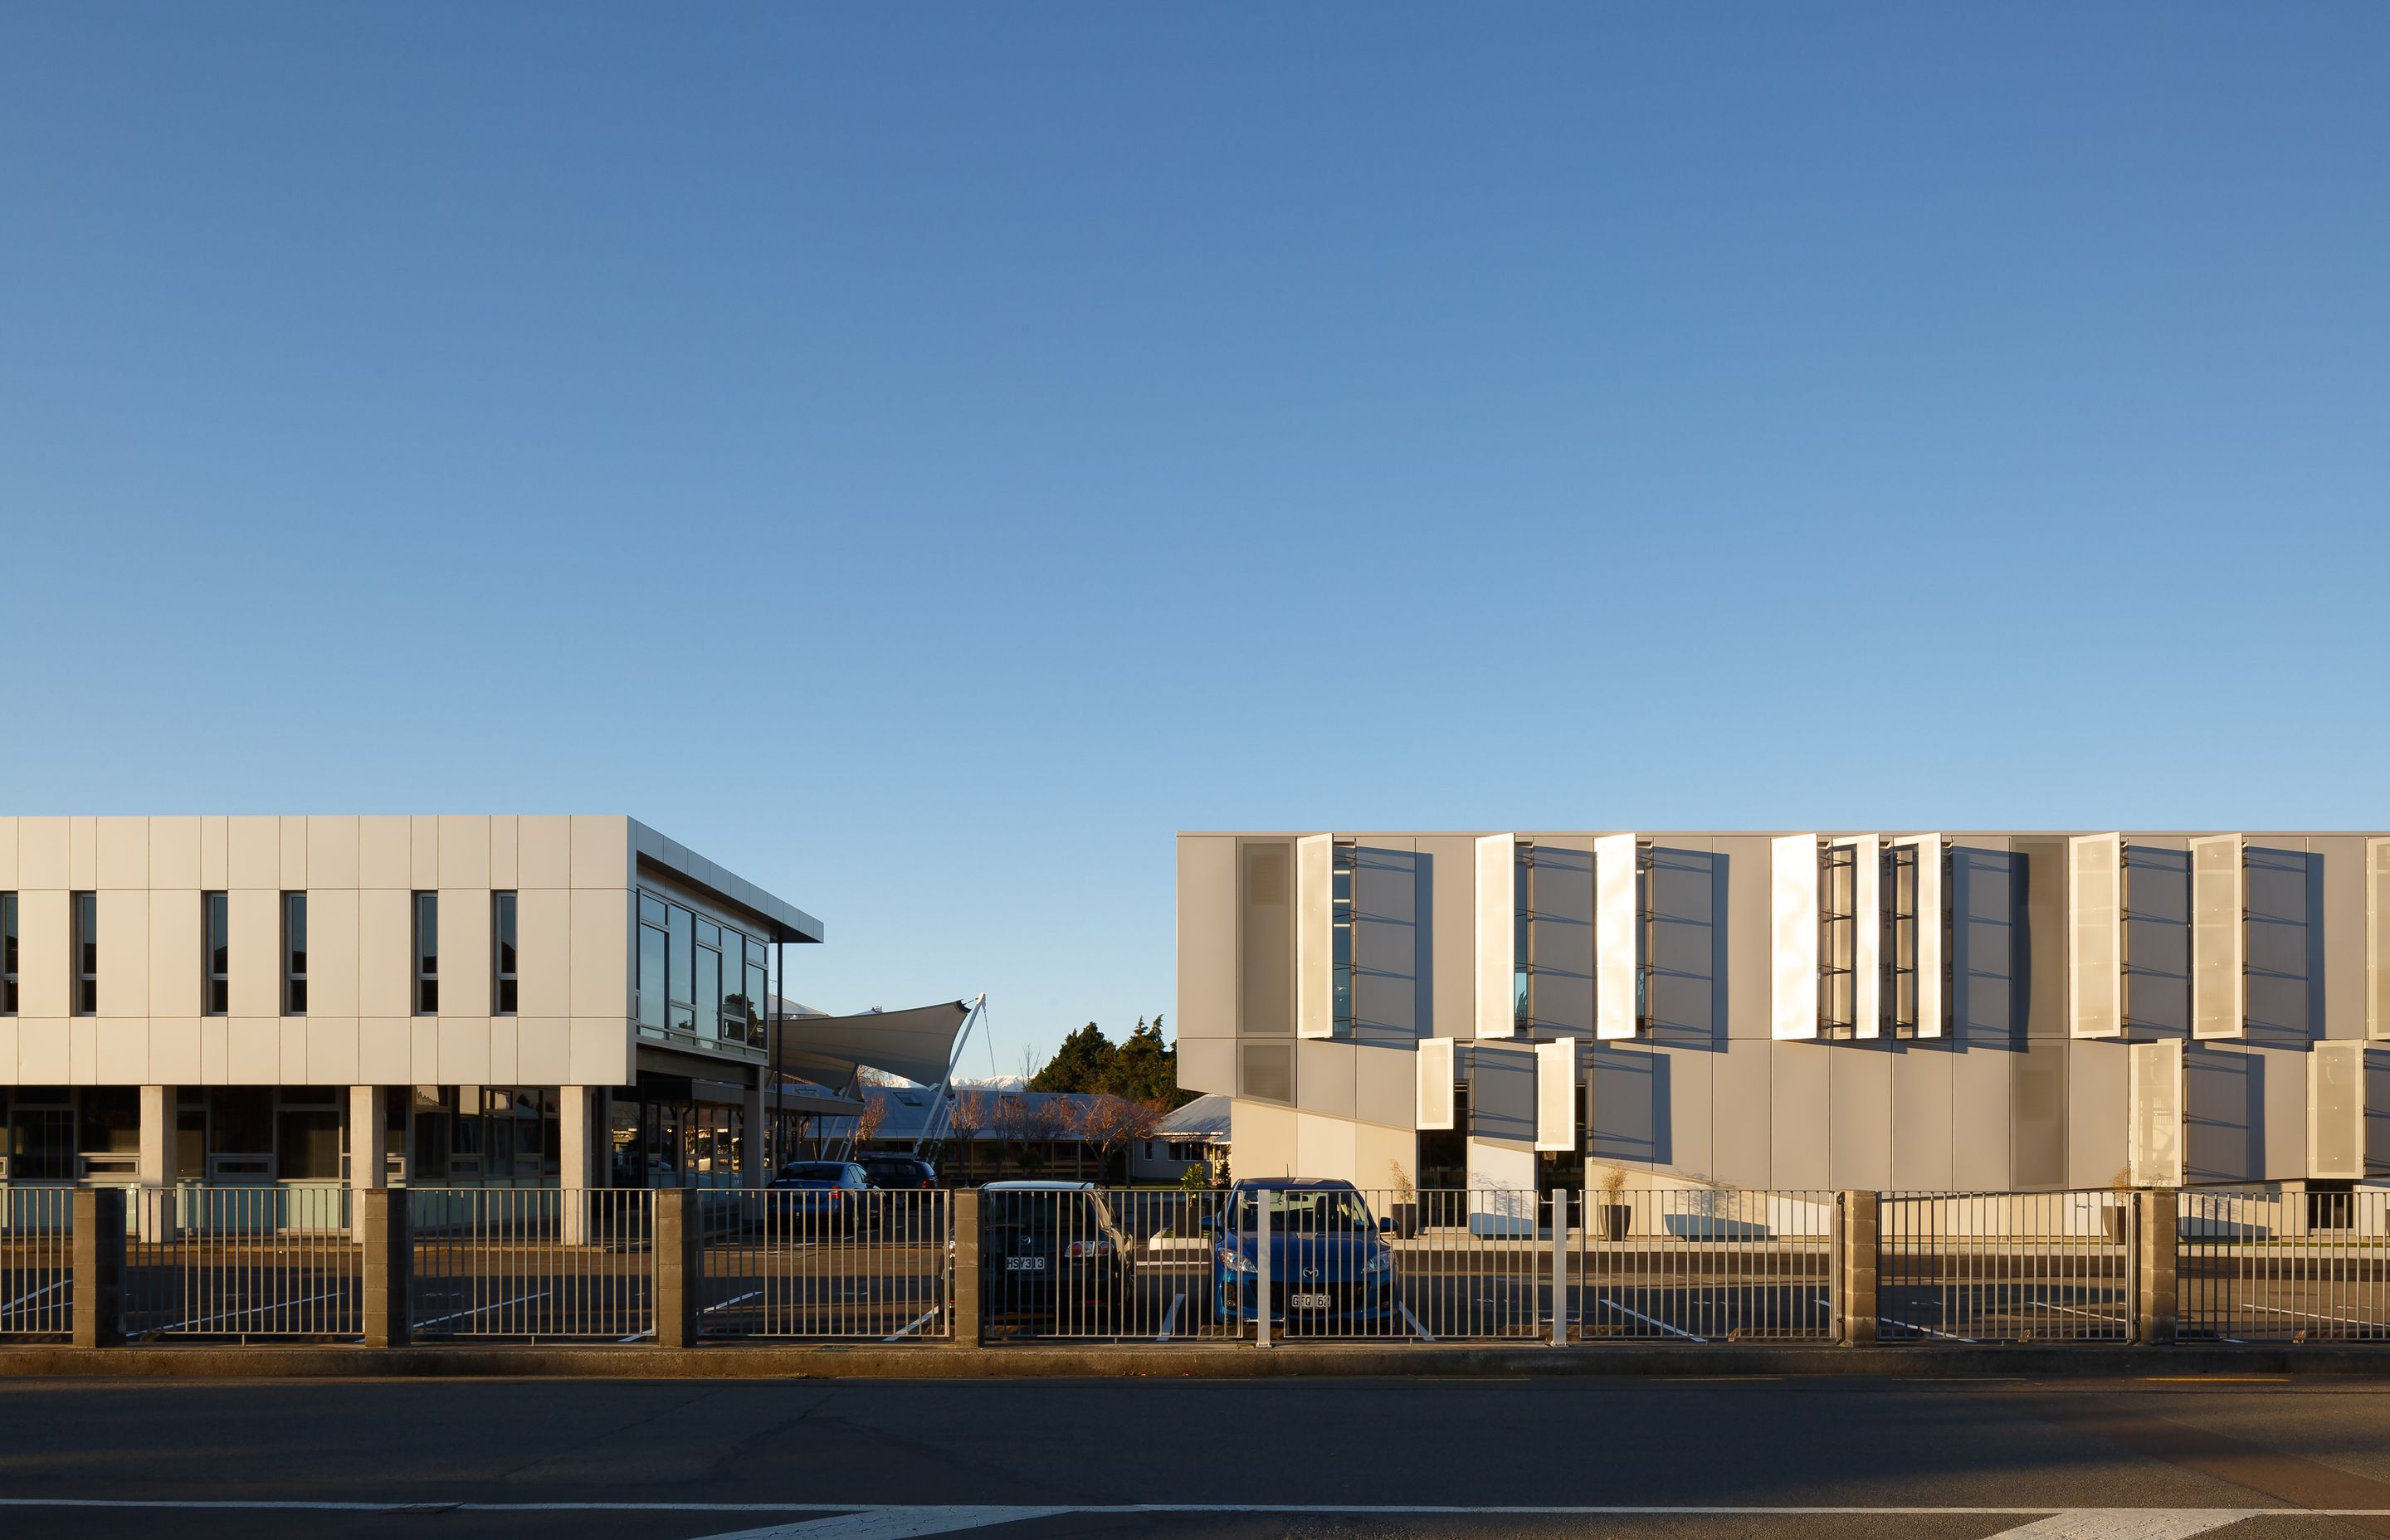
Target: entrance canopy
(916, 1044)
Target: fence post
(98, 1267)
(1861, 1216)
(680, 1267)
(969, 1310)
(383, 1219)
(2154, 1293)
(1560, 1267)
(1261, 1278)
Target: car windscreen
(815, 1171)
(1049, 1211)
(1305, 1210)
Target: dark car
(818, 1195)
(1330, 1265)
(1052, 1258)
(898, 1173)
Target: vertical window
(1523, 927)
(709, 977)
(757, 993)
(502, 954)
(652, 951)
(1837, 940)
(86, 953)
(1340, 924)
(294, 954)
(215, 953)
(427, 954)
(7, 954)
(683, 985)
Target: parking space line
(752, 1293)
(1647, 1320)
(443, 1320)
(252, 1310)
(916, 1324)
(1170, 1317)
(26, 1299)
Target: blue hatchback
(1330, 1262)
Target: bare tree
(1111, 1123)
(873, 1114)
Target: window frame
(215, 924)
(8, 959)
(294, 958)
(84, 922)
(506, 981)
(425, 903)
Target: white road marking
(252, 1310)
(1951, 1336)
(26, 1299)
(1170, 1319)
(916, 1325)
(1674, 1331)
(2209, 1516)
(2132, 1523)
(443, 1320)
(2309, 1316)
(1424, 1335)
(890, 1524)
(751, 1294)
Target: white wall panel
(174, 1050)
(2218, 941)
(544, 1050)
(175, 956)
(124, 952)
(331, 854)
(1866, 940)
(256, 854)
(385, 853)
(602, 953)
(123, 852)
(332, 955)
(465, 950)
(2155, 1093)
(1930, 920)
(174, 854)
(386, 1052)
(1556, 1098)
(1497, 1014)
(1618, 935)
(2337, 1111)
(2095, 976)
(385, 970)
(2377, 939)
(1435, 1083)
(1315, 950)
(7, 856)
(256, 966)
(83, 853)
(1792, 936)
(42, 854)
(294, 854)
(464, 851)
(44, 950)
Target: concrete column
(968, 1308)
(389, 1265)
(154, 1216)
(1857, 1261)
(680, 1267)
(98, 1267)
(2154, 1284)
(369, 1107)
(574, 1159)
(751, 1170)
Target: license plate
(1307, 1301)
(1024, 1265)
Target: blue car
(1331, 1267)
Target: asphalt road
(669, 1460)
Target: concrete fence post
(1861, 1216)
(98, 1267)
(680, 1267)
(1560, 1267)
(969, 1308)
(2154, 1284)
(385, 1223)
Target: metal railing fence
(533, 1263)
(2296, 1267)
(2005, 1268)
(1705, 1265)
(872, 1266)
(1110, 1263)
(241, 1261)
(36, 1262)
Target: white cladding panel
(2095, 977)
(1496, 999)
(2377, 943)
(1556, 1095)
(2156, 1115)
(1434, 1058)
(1866, 940)
(1792, 936)
(2337, 1111)
(1929, 931)
(1314, 918)
(2218, 903)
(1616, 929)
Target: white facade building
(476, 1000)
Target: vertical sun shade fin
(2095, 908)
(1556, 1095)
(2337, 1111)
(2377, 938)
(1435, 1083)
(1497, 892)
(1617, 936)
(2155, 1071)
(1792, 944)
(2218, 903)
(1315, 944)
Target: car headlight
(1380, 1262)
(1236, 1262)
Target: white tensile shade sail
(1315, 939)
(1556, 1095)
(1615, 935)
(1792, 936)
(1497, 922)
(1435, 1083)
(2095, 908)
(917, 1044)
(2218, 903)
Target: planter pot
(2115, 1221)
(1615, 1217)
(1406, 1218)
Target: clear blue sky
(926, 455)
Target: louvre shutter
(2095, 977)
(2219, 902)
(1435, 1058)
(1497, 1004)
(1793, 941)
(1618, 935)
(1315, 948)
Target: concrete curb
(831, 1361)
